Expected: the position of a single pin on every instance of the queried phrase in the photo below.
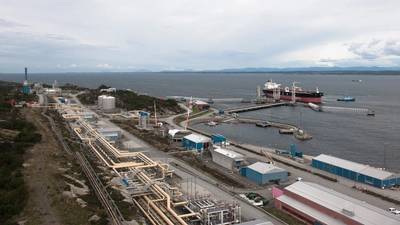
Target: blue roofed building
(262, 173)
(196, 142)
(356, 171)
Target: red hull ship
(274, 90)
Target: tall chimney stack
(26, 73)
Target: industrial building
(196, 142)
(262, 173)
(315, 204)
(356, 171)
(218, 139)
(106, 103)
(177, 135)
(227, 158)
(111, 134)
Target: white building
(227, 158)
(177, 135)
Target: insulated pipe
(159, 212)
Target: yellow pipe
(159, 212)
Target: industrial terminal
(173, 173)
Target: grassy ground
(17, 136)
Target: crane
(268, 156)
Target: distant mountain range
(357, 69)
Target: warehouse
(262, 173)
(196, 142)
(315, 204)
(227, 158)
(356, 171)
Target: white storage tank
(100, 101)
(108, 103)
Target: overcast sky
(129, 35)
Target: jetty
(255, 107)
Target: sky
(154, 35)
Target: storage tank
(108, 103)
(100, 101)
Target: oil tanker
(274, 90)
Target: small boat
(286, 131)
(315, 107)
(371, 113)
(212, 123)
(263, 124)
(301, 135)
(346, 99)
(359, 81)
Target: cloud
(376, 49)
(392, 48)
(189, 34)
(10, 24)
(369, 51)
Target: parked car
(396, 212)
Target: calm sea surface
(371, 140)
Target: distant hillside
(328, 70)
(319, 69)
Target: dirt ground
(39, 167)
(45, 167)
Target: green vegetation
(13, 193)
(130, 100)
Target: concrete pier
(256, 107)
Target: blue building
(262, 173)
(196, 142)
(218, 139)
(356, 171)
